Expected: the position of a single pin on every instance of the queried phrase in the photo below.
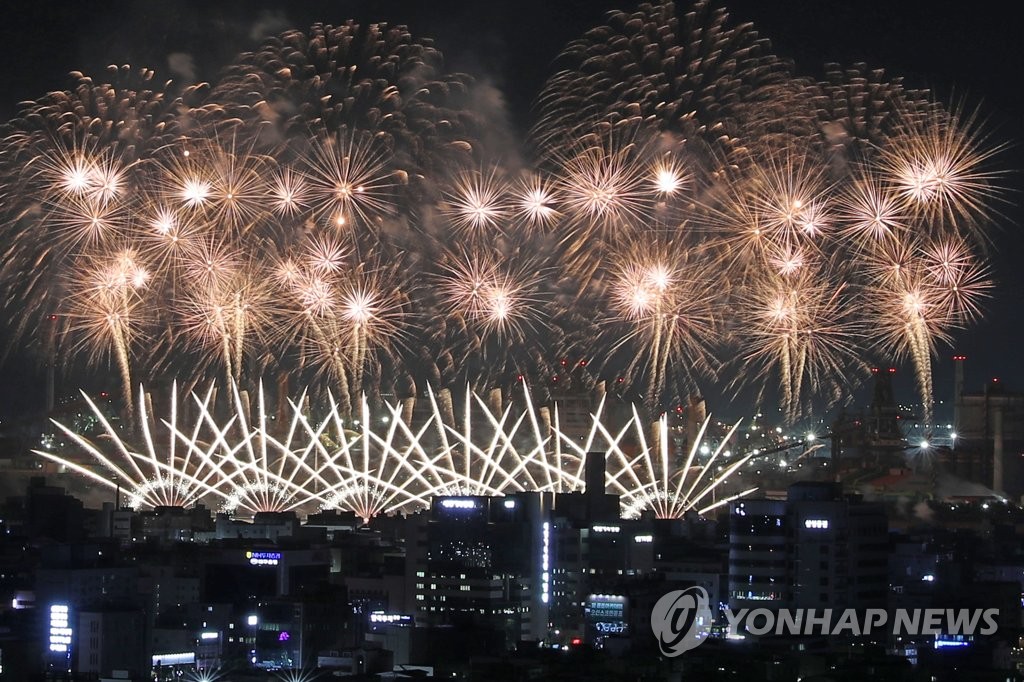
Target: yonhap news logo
(681, 620)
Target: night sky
(963, 51)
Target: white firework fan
(149, 478)
(249, 463)
(649, 480)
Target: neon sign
(60, 628)
(263, 558)
(458, 504)
(545, 564)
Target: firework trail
(386, 461)
(327, 212)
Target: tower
(958, 389)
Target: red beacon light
(576, 641)
(892, 370)
(583, 363)
(874, 370)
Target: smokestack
(593, 473)
(958, 389)
(997, 448)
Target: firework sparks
(681, 170)
(380, 462)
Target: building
(989, 427)
(111, 640)
(817, 549)
(485, 563)
(759, 545)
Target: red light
(892, 370)
(620, 380)
(995, 380)
(519, 378)
(103, 394)
(554, 379)
(576, 641)
(874, 370)
(52, 318)
(583, 363)
(679, 409)
(564, 362)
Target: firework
(713, 77)
(663, 297)
(374, 78)
(327, 212)
(391, 460)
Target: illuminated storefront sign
(263, 558)
(183, 658)
(545, 564)
(382, 617)
(458, 504)
(60, 629)
(605, 614)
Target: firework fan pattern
(378, 463)
(694, 214)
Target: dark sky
(970, 51)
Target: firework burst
(326, 211)
(385, 461)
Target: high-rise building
(817, 549)
(758, 554)
(486, 563)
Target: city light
(263, 558)
(451, 341)
(458, 504)
(545, 563)
(61, 631)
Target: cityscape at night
(640, 341)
